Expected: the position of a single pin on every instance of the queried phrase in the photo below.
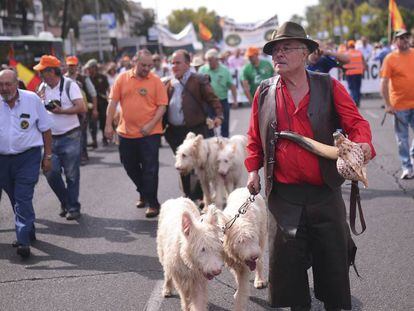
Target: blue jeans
(18, 177)
(354, 85)
(66, 159)
(402, 120)
(139, 156)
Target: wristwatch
(47, 157)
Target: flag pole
(389, 22)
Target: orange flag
(395, 15)
(204, 32)
(30, 79)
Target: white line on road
(372, 114)
(155, 301)
(233, 125)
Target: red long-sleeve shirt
(295, 165)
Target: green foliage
(362, 18)
(178, 19)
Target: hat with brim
(197, 61)
(91, 63)
(47, 61)
(290, 31)
(401, 33)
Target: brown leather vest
(323, 118)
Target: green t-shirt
(255, 75)
(221, 79)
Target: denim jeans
(18, 177)
(66, 159)
(354, 85)
(139, 156)
(402, 120)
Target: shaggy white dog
(201, 155)
(244, 243)
(189, 250)
(230, 160)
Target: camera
(52, 104)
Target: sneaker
(63, 211)
(23, 251)
(407, 174)
(73, 215)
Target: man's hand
(253, 182)
(389, 109)
(109, 131)
(58, 110)
(46, 165)
(367, 152)
(217, 121)
(147, 129)
(95, 114)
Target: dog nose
(217, 272)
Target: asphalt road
(107, 260)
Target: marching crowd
(138, 100)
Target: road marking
(155, 301)
(233, 125)
(372, 114)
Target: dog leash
(241, 211)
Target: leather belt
(67, 133)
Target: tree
(178, 19)
(141, 27)
(19, 7)
(54, 10)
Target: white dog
(244, 243)
(230, 160)
(189, 250)
(201, 155)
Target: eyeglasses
(286, 50)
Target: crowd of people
(144, 97)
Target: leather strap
(355, 200)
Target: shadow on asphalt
(111, 229)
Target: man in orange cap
(64, 101)
(254, 72)
(90, 96)
(354, 70)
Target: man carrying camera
(63, 99)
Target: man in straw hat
(307, 222)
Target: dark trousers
(83, 121)
(175, 135)
(226, 115)
(139, 156)
(354, 85)
(18, 177)
(307, 228)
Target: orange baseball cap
(251, 51)
(350, 44)
(72, 61)
(47, 61)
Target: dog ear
(190, 135)
(233, 148)
(198, 139)
(186, 223)
(212, 214)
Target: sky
(242, 11)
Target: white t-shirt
(21, 128)
(63, 123)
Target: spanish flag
(30, 79)
(204, 32)
(395, 16)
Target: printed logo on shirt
(143, 91)
(24, 124)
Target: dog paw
(260, 284)
(166, 292)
